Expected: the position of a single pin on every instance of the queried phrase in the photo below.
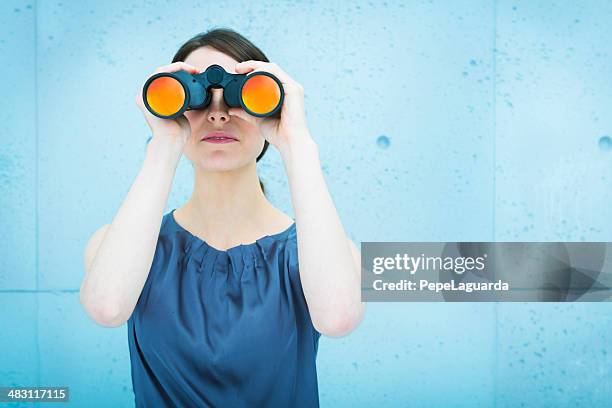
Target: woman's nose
(217, 110)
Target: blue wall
(436, 121)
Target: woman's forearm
(112, 286)
(329, 274)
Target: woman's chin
(217, 163)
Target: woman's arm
(119, 255)
(330, 263)
(117, 269)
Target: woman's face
(208, 156)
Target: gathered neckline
(272, 237)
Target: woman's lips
(219, 137)
(219, 140)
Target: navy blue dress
(217, 328)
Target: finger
(177, 66)
(247, 66)
(254, 66)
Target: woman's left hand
(291, 125)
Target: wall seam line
(496, 306)
(36, 198)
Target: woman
(220, 311)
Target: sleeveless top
(217, 328)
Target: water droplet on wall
(383, 142)
(605, 143)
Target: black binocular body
(168, 94)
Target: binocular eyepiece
(168, 94)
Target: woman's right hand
(177, 128)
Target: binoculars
(168, 94)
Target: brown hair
(228, 42)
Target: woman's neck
(228, 208)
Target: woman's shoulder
(282, 221)
(288, 229)
(167, 224)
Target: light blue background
(493, 111)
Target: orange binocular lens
(165, 95)
(260, 94)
